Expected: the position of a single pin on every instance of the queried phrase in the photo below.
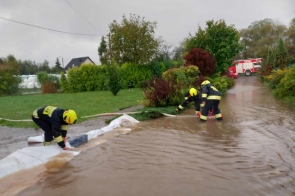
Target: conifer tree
(281, 54)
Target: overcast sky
(175, 20)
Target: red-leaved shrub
(202, 59)
(159, 92)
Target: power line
(47, 28)
(81, 15)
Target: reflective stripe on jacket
(210, 92)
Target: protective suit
(192, 95)
(210, 99)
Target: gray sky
(175, 18)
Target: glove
(198, 114)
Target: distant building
(78, 62)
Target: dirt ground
(12, 139)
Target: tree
(202, 59)
(178, 52)
(102, 51)
(114, 79)
(132, 40)
(281, 53)
(164, 56)
(271, 59)
(10, 64)
(28, 67)
(220, 40)
(290, 41)
(57, 63)
(57, 68)
(259, 36)
(45, 67)
(8, 81)
(268, 65)
(165, 52)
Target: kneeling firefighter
(210, 100)
(54, 122)
(192, 95)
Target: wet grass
(21, 107)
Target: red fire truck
(246, 66)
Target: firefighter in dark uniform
(192, 95)
(210, 99)
(54, 122)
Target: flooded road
(251, 152)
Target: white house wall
(87, 61)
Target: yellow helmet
(70, 116)
(193, 92)
(205, 82)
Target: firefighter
(192, 95)
(54, 122)
(210, 100)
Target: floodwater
(251, 152)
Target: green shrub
(168, 64)
(49, 83)
(9, 82)
(114, 79)
(169, 90)
(286, 87)
(101, 77)
(290, 101)
(88, 77)
(134, 73)
(75, 81)
(184, 76)
(94, 77)
(275, 77)
(222, 83)
(157, 68)
(64, 83)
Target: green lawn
(20, 107)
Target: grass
(21, 107)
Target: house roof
(77, 62)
